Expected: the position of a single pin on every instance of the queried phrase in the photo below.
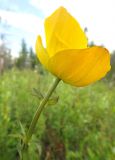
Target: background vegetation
(80, 126)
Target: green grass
(82, 122)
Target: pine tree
(33, 59)
(22, 61)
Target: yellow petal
(80, 67)
(41, 52)
(63, 32)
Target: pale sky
(25, 19)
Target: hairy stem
(39, 110)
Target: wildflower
(67, 55)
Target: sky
(25, 19)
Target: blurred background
(81, 125)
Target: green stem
(39, 111)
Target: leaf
(22, 128)
(37, 93)
(53, 100)
(19, 136)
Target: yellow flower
(66, 54)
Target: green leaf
(22, 128)
(19, 136)
(53, 100)
(37, 93)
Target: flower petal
(41, 52)
(80, 67)
(63, 32)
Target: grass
(80, 126)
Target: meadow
(77, 123)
